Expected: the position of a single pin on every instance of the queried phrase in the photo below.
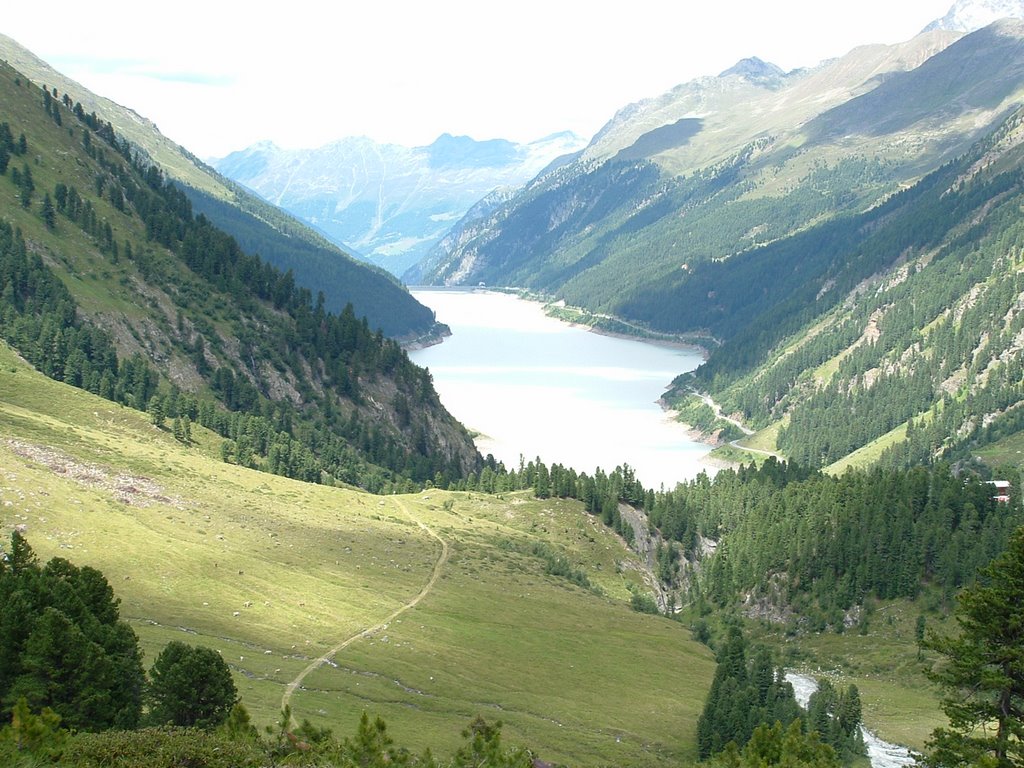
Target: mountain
(893, 335)
(279, 238)
(389, 203)
(769, 212)
(969, 15)
(457, 235)
(723, 164)
(111, 281)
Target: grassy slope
(274, 573)
(1006, 452)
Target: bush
(642, 603)
(161, 748)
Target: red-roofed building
(1002, 490)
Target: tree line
(791, 536)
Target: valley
(391, 204)
(278, 574)
(454, 506)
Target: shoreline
(668, 340)
(677, 343)
(695, 353)
(715, 463)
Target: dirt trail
(434, 576)
(717, 409)
(736, 444)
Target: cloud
(140, 68)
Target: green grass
(868, 453)
(736, 455)
(274, 573)
(765, 439)
(750, 448)
(1007, 452)
(871, 452)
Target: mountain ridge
(755, 147)
(387, 202)
(110, 281)
(284, 241)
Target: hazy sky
(219, 75)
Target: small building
(1002, 490)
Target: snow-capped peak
(970, 15)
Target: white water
(535, 386)
(882, 754)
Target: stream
(882, 754)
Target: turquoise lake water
(534, 386)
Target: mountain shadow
(978, 72)
(662, 139)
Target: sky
(219, 75)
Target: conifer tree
(190, 686)
(983, 669)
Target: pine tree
(156, 412)
(190, 686)
(49, 213)
(983, 669)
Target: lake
(535, 386)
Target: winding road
(364, 633)
(747, 432)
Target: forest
(914, 306)
(914, 358)
(334, 362)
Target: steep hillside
(723, 166)
(895, 334)
(281, 240)
(110, 282)
(855, 272)
(425, 609)
(390, 203)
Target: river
(534, 386)
(882, 754)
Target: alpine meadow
(240, 528)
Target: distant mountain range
(388, 203)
